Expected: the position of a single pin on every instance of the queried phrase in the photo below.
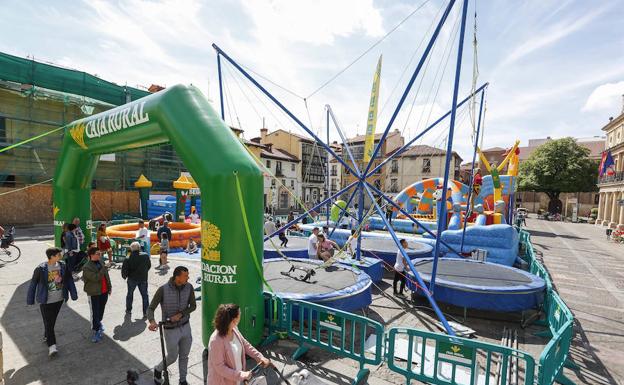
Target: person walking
(399, 270)
(177, 301)
(71, 247)
(227, 349)
(134, 269)
(97, 285)
(51, 283)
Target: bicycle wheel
(10, 254)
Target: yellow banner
(372, 115)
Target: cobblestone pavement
(588, 272)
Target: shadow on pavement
(79, 360)
(537, 233)
(591, 370)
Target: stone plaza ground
(587, 270)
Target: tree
(558, 166)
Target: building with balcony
(313, 161)
(420, 162)
(380, 179)
(611, 187)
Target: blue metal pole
(220, 86)
(358, 249)
(449, 147)
(421, 283)
(300, 217)
(327, 175)
(283, 108)
(474, 158)
(415, 221)
(344, 140)
(408, 144)
(423, 58)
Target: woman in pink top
(325, 247)
(227, 349)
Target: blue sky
(554, 67)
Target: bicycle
(8, 251)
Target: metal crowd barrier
(437, 358)
(335, 331)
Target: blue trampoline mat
(480, 285)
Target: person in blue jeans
(135, 269)
(50, 285)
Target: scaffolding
(37, 97)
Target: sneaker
(94, 338)
(158, 380)
(101, 328)
(400, 295)
(99, 335)
(52, 351)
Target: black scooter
(165, 372)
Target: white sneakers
(52, 351)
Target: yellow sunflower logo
(55, 210)
(77, 133)
(211, 235)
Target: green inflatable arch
(216, 160)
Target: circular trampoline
(386, 249)
(481, 285)
(297, 248)
(337, 286)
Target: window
(426, 165)
(394, 185)
(292, 167)
(268, 163)
(283, 200)
(395, 166)
(272, 182)
(292, 183)
(3, 136)
(334, 170)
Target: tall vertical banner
(369, 144)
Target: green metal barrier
(441, 359)
(335, 331)
(121, 248)
(560, 323)
(555, 355)
(275, 318)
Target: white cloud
(605, 97)
(551, 35)
(318, 22)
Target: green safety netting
(28, 71)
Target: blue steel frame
(362, 176)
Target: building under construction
(36, 98)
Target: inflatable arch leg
(211, 152)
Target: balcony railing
(616, 177)
(334, 173)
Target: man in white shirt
(269, 227)
(143, 236)
(313, 243)
(399, 270)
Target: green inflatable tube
(336, 208)
(183, 117)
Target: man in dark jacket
(51, 283)
(135, 269)
(177, 300)
(97, 285)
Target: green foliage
(558, 166)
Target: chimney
(263, 134)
